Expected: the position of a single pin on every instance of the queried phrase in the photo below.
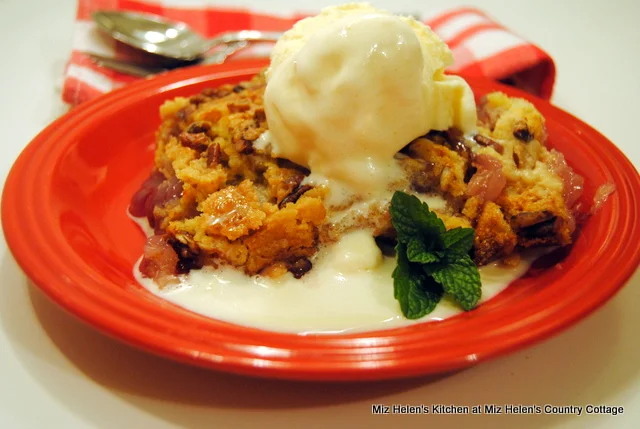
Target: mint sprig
(459, 278)
(431, 260)
(416, 292)
(417, 251)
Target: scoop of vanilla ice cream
(349, 88)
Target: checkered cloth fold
(480, 46)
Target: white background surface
(55, 372)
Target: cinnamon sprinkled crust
(240, 206)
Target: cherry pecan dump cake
(351, 149)
(215, 198)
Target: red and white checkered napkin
(481, 47)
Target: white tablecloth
(56, 372)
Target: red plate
(63, 211)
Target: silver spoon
(174, 40)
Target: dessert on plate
(352, 143)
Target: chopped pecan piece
(470, 171)
(259, 115)
(239, 106)
(198, 99)
(185, 112)
(295, 195)
(194, 141)
(439, 137)
(523, 134)
(294, 179)
(453, 139)
(214, 155)
(534, 224)
(539, 230)
(243, 146)
(299, 267)
(217, 92)
(486, 141)
(199, 127)
(460, 147)
(526, 219)
(175, 129)
(516, 159)
(187, 259)
(285, 163)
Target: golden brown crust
(229, 207)
(443, 171)
(242, 207)
(494, 236)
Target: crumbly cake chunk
(215, 198)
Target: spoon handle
(140, 70)
(131, 69)
(242, 36)
(220, 56)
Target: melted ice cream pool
(349, 289)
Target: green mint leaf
(412, 218)
(431, 260)
(417, 294)
(459, 278)
(459, 240)
(419, 252)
